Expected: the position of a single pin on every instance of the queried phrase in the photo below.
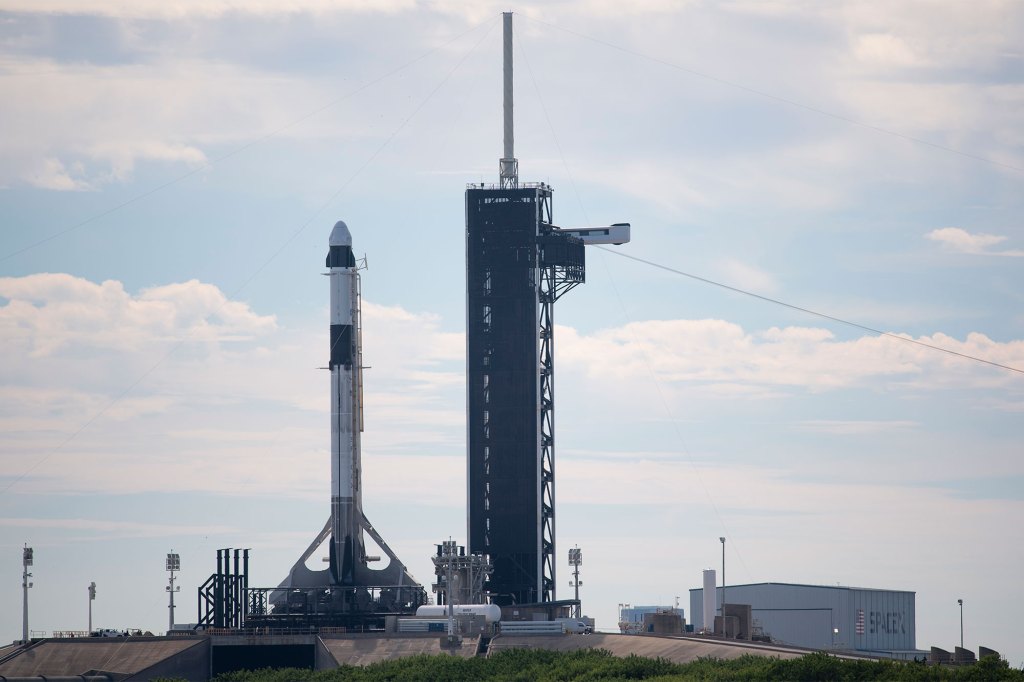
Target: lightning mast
(508, 167)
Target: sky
(169, 175)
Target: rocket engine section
(349, 571)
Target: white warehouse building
(881, 622)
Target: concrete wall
(191, 664)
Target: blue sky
(169, 173)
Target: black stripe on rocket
(342, 348)
(340, 257)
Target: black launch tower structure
(518, 264)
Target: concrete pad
(68, 657)
(675, 649)
(366, 649)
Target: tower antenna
(508, 167)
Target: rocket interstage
(343, 533)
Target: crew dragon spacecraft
(364, 588)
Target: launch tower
(518, 264)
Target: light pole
(961, 603)
(722, 539)
(92, 597)
(173, 564)
(576, 560)
(26, 561)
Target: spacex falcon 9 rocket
(346, 412)
(349, 562)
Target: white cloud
(885, 50)
(122, 529)
(50, 313)
(215, 393)
(177, 9)
(746, 276)
(50, 173)
(717, 352)
(241, 387)
(962, 241)
(853, 428)
(75, 126)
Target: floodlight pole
(173, 564)
(92, 596)
(26, 561)
(576, 560)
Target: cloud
(854, 428)
(746, 276)
(178, 9)
(962, 241)
(885, 50)
(236, 395)
(52, 313)
(119, 529)
(50, 173)
(214, 393)
(80, 126)
(713, 353)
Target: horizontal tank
(490, 612)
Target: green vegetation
(538, 665)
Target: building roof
(827, 587)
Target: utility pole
(26, 561)
(92, 597)
(173, 564)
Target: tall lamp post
(92, 597)
(722, 539)
(173, 564)
(576, 560)
(961, 603)
(26, 561)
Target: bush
(592, 665)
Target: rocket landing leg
(394, 574)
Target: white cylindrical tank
(490, 612)
(709, 599)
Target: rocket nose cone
(340, 236)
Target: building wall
(635, 614)
(809, 615)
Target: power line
(643, 355)
(779, 98)
(808, 311)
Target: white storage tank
(709, 601)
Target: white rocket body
(346, 411)
(344, 531)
